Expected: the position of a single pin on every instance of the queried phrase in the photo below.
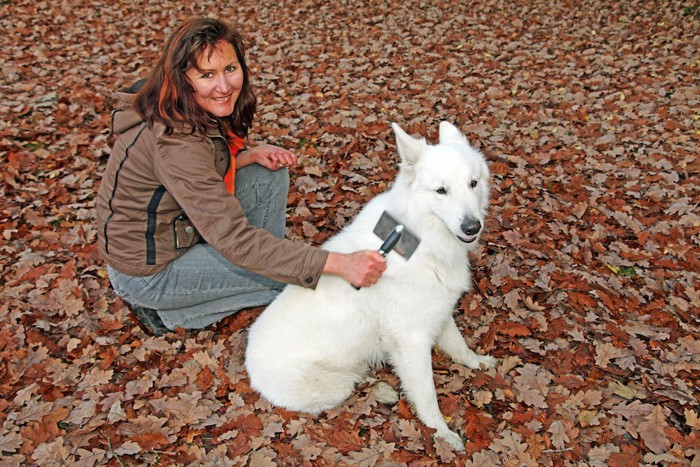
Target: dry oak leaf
(512, 298)
(532, 385)
(483, 459)
(404, 410)
(589, 417)
(65, 295)
(143, 424)
(664, 459)
(507, 363)
(238, 446)
(85, 409)
(478, 426)
(308, 448)
(127, 449)
(559, 436)
(533, 305)
(367, 457)
(409, 430)
(482, 398)
(691, 419)
(263, 458)
(142, 384)
(627, 392)
(205, 379)
(653, 432)
(633, 409)
(248, 424)
(514, 329)
(599, 455)
(205, 360)
(116, 412)
(272, 429)
(149, 441)
(34, 411)
(346, 441)
(581, 299)
(604, 352)
(87, 458)
(629, 457)
(53, 453)
(11, 441)
(94, 378)
(444, 450)
(513, 450)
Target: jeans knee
(280, 179)
(256, 175)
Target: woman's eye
(441, 191)
(230, 69)
(474, 183)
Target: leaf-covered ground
(586, 285)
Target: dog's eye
(474, 183)
(441, 191)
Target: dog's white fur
(309, 348)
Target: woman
(190, 222)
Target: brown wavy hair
(167, 97)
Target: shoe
(149, 321)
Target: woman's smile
(217, 79)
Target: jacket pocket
(186, 235)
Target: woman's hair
(167, 97)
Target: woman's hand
(361, 269)
(267, 155)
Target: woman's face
(217, 79)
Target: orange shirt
(235, 144)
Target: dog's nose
(471, 226)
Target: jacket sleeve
(185, 166)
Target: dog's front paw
(487, 361)
(479, 361)
(452, 438)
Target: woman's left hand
(268, 155)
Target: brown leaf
(150, 441)
(691, 419)
(559, 436)
(514, 329)
(627, 392)
(512, 298)
(478, 427)
(404, 410)
(205, 379)
(606, 352)
(532, 385)
(345, 441)
(578, 299)
(628, 457)
(54, 453)
(248, 424)
(652, 431)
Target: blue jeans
(201, 286)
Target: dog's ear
(410, 148)
(449, 132)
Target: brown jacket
(155, 184)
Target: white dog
(309, 348)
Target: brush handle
(391, 241)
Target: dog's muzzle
(471, 228)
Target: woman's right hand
(361, 269)
(267, 155)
